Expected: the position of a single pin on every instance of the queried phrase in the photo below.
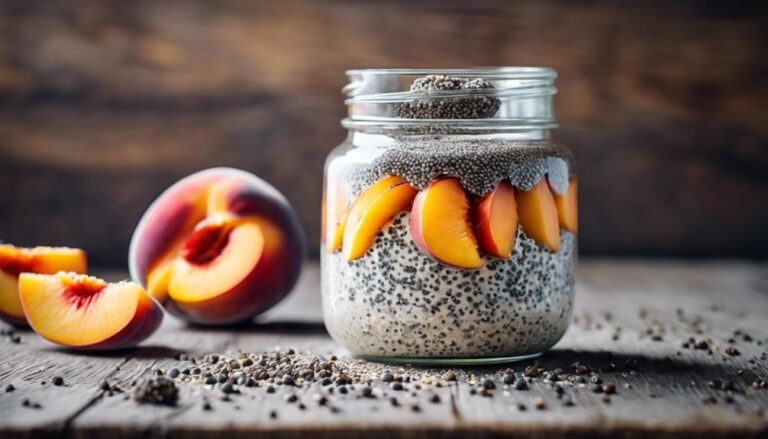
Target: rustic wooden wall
(104, 103)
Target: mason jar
(449, 218)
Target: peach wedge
(567, 208)
(538, 215)
(85, 312)
(44, 260)
(371, 211)
(440, 224)
(496, 221)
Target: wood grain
(103, 104)
(664, 398)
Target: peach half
(538, 215)
(218, 247)
(496, 221)
(372, 210)
(85, 312)
(441, 226)
(567, 208)
(44, 260)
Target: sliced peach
(338, 236)
(218, 247)
(334, 217)
(371, 211)
(45, 260)
(567, 208)
(85, 312)
(538, 215)
(496, 221)
(440, 224)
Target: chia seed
(157, 390)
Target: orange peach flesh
(372, 211)
(440, 224)
(214, 264)
(538, 215)
(45, 260)
(567, 208)
(496, 221)
(78, 310)
(237, 284)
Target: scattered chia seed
(509, 378)
(488, 384)
(57, 381)
(10, 388)
(173, 373)
(227, 388)
(521, 384)
(157, 390)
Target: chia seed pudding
(423, 259)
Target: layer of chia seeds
(478, 163)
(397, 301)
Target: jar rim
(498, 98)
(496, 72)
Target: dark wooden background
(105, 103)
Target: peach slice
(538, 215)
(45, 260)
(218, 247)
(440, 224)
(334, 217)
(85, 312)
(567, 208)
(371, 211)
(496, 221)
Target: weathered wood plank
(667, 383)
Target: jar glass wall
(449, 218)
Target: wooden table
(662, 387)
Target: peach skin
(218, 247)
(496, 221)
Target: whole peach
(220, 246)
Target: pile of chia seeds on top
(469, 107)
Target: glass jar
(449, 218)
